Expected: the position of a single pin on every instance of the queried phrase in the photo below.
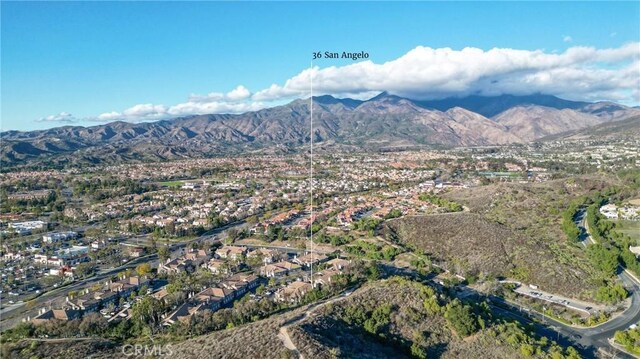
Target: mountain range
(380, 123)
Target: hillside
(389, 318)
(512, 230)
(359, 326)
(336, 330)
(385, 121)
(628, 128)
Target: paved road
(598, 337)
(571, 303)
(581, 221)
(13, 315)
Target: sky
(87, 63)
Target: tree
(461, 318)
(418, 352)
(380, 317)
(232, 234)
(163, 254)
(93, 324)
(85, 269)
(611, 294)
(143, 269)
(147, 313)
(373, 272)
(394, 213)
(605, 259)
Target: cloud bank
(579, 73)
(62, 117)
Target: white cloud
(240, 93)
(109, 116)
(191, 108)
(63, 117)
(145, 111)
(567, 38)
(578, 73)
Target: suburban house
(174, 266)
(252, 280)
(279, 269)
(218, 266)
(325, 277)
(55, 314)
(238, 287)
(125, 286)
(293, 292)
(197, 257)
(209, 298)
(91, 301)
(310, 259)
(226, 295)
(161, 294)
(136, 252)
(54, 237)
(231, 252)
(339, 263)
(183, 314)
(267, 255)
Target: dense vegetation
(448, 205)
(372, 250)
(630, 339)
(568, 225)
(104, 187)
(401, 318)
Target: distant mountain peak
(490, 106)
(384, 121)
(386, 96)
(330, 100)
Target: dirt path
(286, 339)
(283, 333)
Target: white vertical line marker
(311, 169)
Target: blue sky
(68, 62)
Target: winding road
(598, 336)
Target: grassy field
(630, 228)
(172, 183)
